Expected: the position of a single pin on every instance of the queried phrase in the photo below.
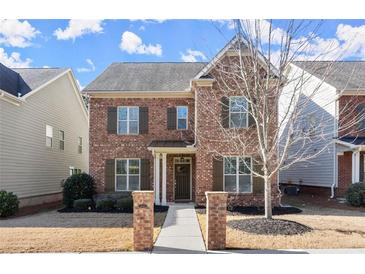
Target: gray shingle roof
(24, 80)
(146, 77)
(340, 74)
(354, 140)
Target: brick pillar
(143, 221)
(216, 219)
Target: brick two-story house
(143, 120)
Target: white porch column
(156, 177)
(164, 169)
(355, 166)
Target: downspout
(335, 165)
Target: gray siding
(27, 166)
(320, 170)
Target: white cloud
(225, 23)
(16, 33)
(78, 28)
(14, 60)
(132, 44)
(45, 66)
(87, 69)
(192, 56)
(142, 28)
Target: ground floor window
(237, 174)
(127, 174)
(74, 170)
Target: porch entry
(182, 178)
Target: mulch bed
(264, 226)
(253, 210)
(157, 208)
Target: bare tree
(273, 114)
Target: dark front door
(182, 181)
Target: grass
(332, 228)
(70, 232)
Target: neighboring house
(339, 98)
(142, 122)
(43, 132)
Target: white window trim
(237, 174)
(177, 117)
(78, 144)
(51, 137)
(127, 175)
(128, 120)
(61, 140)
(229, 109)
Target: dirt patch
(269, 227)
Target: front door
(182, 181)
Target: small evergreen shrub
(125, 204)
(355, 195)
(78, 186)
(105, 204)
(83, 204)
(9, 203)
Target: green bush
(125, 204)
(78, 186)
(9, 203)
(355, 195)
(105, 204)
(83, 204)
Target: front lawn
(331, 228)
(70, 232)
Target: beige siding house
(43, 132)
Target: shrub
(83, 204)
(355, 195)
(125, 204)
(105, 204)
(9, 203)
(78, 186)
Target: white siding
(319, 171)
(27, 166)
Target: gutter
(10, 98)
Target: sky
(89, 46)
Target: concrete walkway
(181, 232)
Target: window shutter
(251, 120)
(143, 120)
(258, 184)
(225, 111)
(171, 118)
(145, 174)
(109, 175)
(218, 174)
(112, 120)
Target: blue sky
(88, 47)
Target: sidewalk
(180, 234)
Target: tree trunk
(268, 207)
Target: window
(182, 117)
(127, 177)
(312, 124)
(80, 145)
(62, 139)
(74, 170)
(49, 136)
(237, 174)
(128, 120)
(238, 114)
(360, 117)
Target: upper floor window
(360, 117)
(62, 139)
(237, 174)
(182, 117)
(49, 136)
(238, 113)
(128, 120)
(127, 174)
(80, 145)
